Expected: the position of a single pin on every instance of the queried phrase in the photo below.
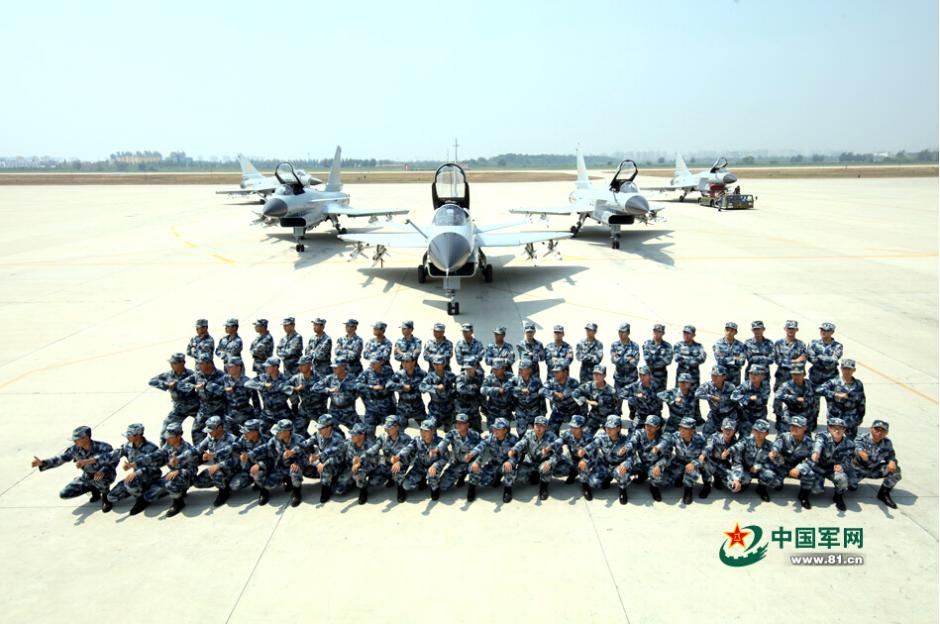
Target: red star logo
(737, 536)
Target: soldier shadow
(83, 512)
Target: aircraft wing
(514, 239)
(671, 187)
(565, 210)
(500, 226)
(237, 192)
(392, 240)
(345, 211)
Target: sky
(401, 80)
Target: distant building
(136, 158)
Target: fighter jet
(619, 204)
(301, 207)
(254, 182)
(453, 242)
(713, 179)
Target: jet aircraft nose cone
(449, 251)
(637, 203)
(729, 178)
(275, 207)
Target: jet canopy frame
(720, 164)
(450, 186)
(624, 176)
(287, 176)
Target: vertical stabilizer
(333, 183)
(583, 180)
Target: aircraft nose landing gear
(300, 247)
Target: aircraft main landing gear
(615, 244)
(300, 247)
(453, 308)
(422, 274)
(682, 197)
(488, 274)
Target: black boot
(543, 490)
(288, 487)
(763, 493)
(640, 478)
(435, 494)
(326, 491)
(106, 505)
(507, 493)
(461, 481)
(402, 494)
(623, 496)
(605, 484)
(686, 495)
(176, 507)
(363, 494)
(263, 496)
(884, 495)
(572, 477)
(423, 485)
(221, 497)
(803, 497)
(139, 505)
(95, 496)
(588, 492)
(295, 495)
(389, 482)
(471, 493)
(706, 490)
(839, 500)
(657, 495)
(718, 484)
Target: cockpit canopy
(449, 214)
(720, 164)
(622, 181)
(286, 175)
(450, 187)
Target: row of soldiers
(723, 460)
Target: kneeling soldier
(875, 459)
(751, 458)
(612, 459)
(832, 459)
(532, 459)
(460, 442)
(139, 458)
(716, 457)
(218, 450)
(284, 452)
(490, 457)
(579, 461)
(686, 465)
(651, 449)
(392, 444)
(791, 451)
(419, 458)
(327, 457)
(183, 462)
(93, 458)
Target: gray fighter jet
(255, 183)
(715, 178)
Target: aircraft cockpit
(622, 181)
(450, 187)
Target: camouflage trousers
(559, 418)
(638, 466)
(280, 475)
(676, 471)
(175, 488)
(525, 471)
(199, 423)
(603, 470)
(448, 478)
(878, 472)
(661, 376)
(136, 488)
(713, 421)
(807, 476)
(565, 466)
(766, 475)
(487, 475)
(240, 480)
(593, 422)
(221, 479)
(364, 477)
(86, 483)
(417, 473)
(410, 410)
(442, 412)
(269, 417)
(345, 416)
(383, 472)
(332, 469)
(494, 412)
(375, 414)
(178, 414)
(841, 481)
(716, 469)
(524, 420)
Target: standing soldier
(468, 399)
(730, 353)
(312, 402)
(349, 348)
(139, 461)
(202, 342)
(824, 354)
(209, 385)
(642, 396)
(845, 398)
(93, 458)
(419, 457)
(499, 348)
(791, 451)
(797, 398)
(680, 401)
(218, 449)
(787, 352)
(407, 383)
(378, 398)
(685, 467)
(752, 397)
(181, 460)
(468, 347)
(689, 356)
(274, 389)
(558, 353)
(489, 458)
(282, 457)
(875, 459)
(262, 347)
(379, 347)
(342, 389)
(832, 459)
(439, 345)
(408, 344)
(185, 404)
(718, 392)
(625, 356)
(532, 459)
(326, 457)
(716, 457)
(456, 447)
(531, 349)
(651, 450)
(527, 396)
(658, 354)
(290, 347)
(441, 387)
(241, 403)
(497, 392)
(320, 348)
(578, 464)
(392, 466)
(751, 459)
(601, 399)
(560, 392)
(252, 437)
(612, 459)
(590, 352)
(230, 344)
(760, 351)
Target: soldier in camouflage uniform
(648, 454)
(658, 354)
(455, 448)
(527, 396)
(716, 459)
(824, 354)
(283, 459)
(625, 357)
(845, 398)
(185, 404)
(689, 355)
(290, 347)
(751, 459)
(93, 458)
(731, 353)
(468, 399)
(393, 466)
(342, 389)
(407, 345)
(532, 459)
(326, 458)
(253, 436)
(441, 387)
(642, 396)
(685, 465)
(832, 459)
(361, 463)
(469, 347)
(787, 352)
(797, 398)
(378, 347)
(875, 459)
(610, 461)
(561, 393)
(600, 397)
(680, 401)
(379, 399)
(349, 348)
(202, 342)
(230, 345)
(320, 348)
(590, 352)
(306, 385)
(752, 397)
(419, 457)
(138, 453)
(262, 347)
(499, 348)
(558, 353)
(439, 345)
(218, 449)
(579, 460)
(181, 460)
(407, 383)
(274, 389)
(497, 393)
(489, 457)
(718, 393)
(760, 351)
(241, 403)
(792, 450)
(531, 349)
(209, 385)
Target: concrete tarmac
(101, 283)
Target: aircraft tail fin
(248, 169)
(583, 181)
(334, 183)
(681, 167)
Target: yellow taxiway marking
(907, 387)
(191, 244)
(223, 259)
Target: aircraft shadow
(642, 241)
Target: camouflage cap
(391, 421)
(466, 327)
(339, 363)
(134, 429)
(358, 429)
(558, 329)
(379, 325)
(174, 429)
(659, 327)
(762, 425)
(731, 325)
(643, 370)
(407, 357)
(848, 363)
(235, 360)
(525, 363)
(253, 424)
(613, 422)
(305, 359)
(687, 423)
(653, 420)
(428, 424)
(499, 362)
(376, 360)
(501, 423)
(283, 424)
(461, 418)
(319, 321)
(541, 420)
(827, 326)
(261, 322)
(439, 327)
(835, 421)
(577, 421)
(407, 324)
(591, 326)
(177, 358)
(204, 357)
(719, 370)
(758, 369)
(880, 424)
(500, 329)
(439, 358)
(557, 368)
(202, 323)
(272, 361)
(757, 324)
(729, 423)
(324, 421)
(212, 423)
(689, 329)
(797, 368)
(791, 325)
(352, 322)
(528, 326)
(288, 320)
(232, 322)
(685, 378)
(624, 327)
(84, 431)
(600, 369)
(798, 421)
